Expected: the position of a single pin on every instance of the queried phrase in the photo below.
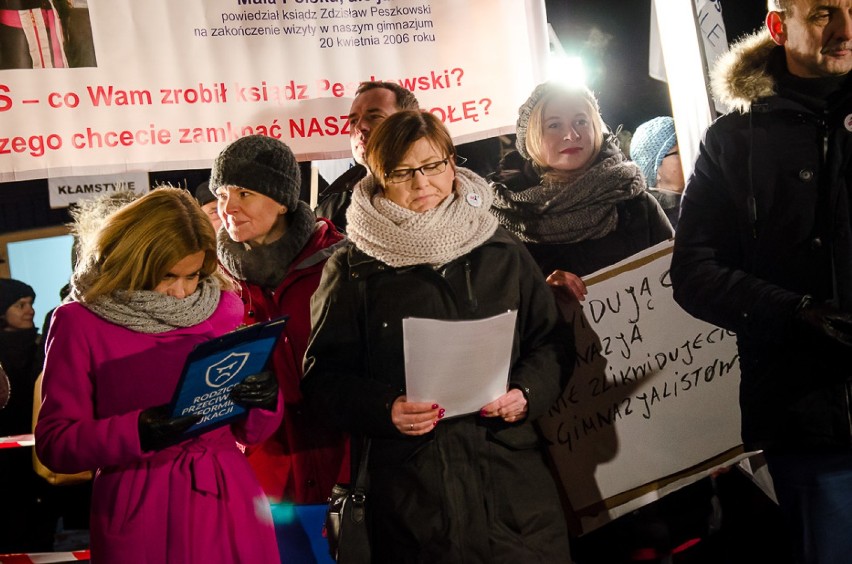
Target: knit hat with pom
(261, 164)
(649, 145)
(541, 91)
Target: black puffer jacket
(764, 221)
(474, 489)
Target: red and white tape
(45, 557)
(16, 441)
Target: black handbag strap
(361, 480)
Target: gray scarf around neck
(268, 265)
(570, 210)
(147, 311)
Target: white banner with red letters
(169, 84)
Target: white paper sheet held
(460, 365)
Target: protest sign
(653, 395)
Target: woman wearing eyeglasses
(570, 193)
(471, 488)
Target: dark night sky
(611, 36)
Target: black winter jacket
(765, 221)
(474, 489)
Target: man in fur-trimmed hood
(764, 249)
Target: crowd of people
(762, 247)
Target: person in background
(71, 501)
(275, 246)
(474, 487)
(374, 101)
(654, 148)
(580, 205)
(209, 204)
(142, 298)
(28, 519)
(569, 193)
(764, 249)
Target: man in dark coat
(764, 248)
(373, 102)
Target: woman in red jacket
(276, 247)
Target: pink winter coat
(197, 501)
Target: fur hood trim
(741, 75)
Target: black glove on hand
(157, 430)
(257, 390)
(827, 319)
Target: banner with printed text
(164, 85)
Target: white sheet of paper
(460, 365)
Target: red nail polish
(435, 422)
(441, 413)
(483, 413)
(434, 406)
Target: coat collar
(742, 75)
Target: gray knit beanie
(261, 164)
(541, 91)
(649, 145)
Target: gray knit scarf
(400, 237)
(267, 265)
(570, 210)
(146, 311)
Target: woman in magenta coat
(143, 297)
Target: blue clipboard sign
(214, 367)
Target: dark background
(611, 36)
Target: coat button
(354, 275)
(816, 243)
(806, 175)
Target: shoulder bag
(346, 518)
(53, 478)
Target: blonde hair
(133, 247)
(535, 129)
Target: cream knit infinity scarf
(146, 311)
(567, 211)
(401, 237)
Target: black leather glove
(826, 319)
(257, 390)
(157, 430)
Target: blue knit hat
(650, 143)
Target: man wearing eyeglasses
(654, 149)
(374, 101)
